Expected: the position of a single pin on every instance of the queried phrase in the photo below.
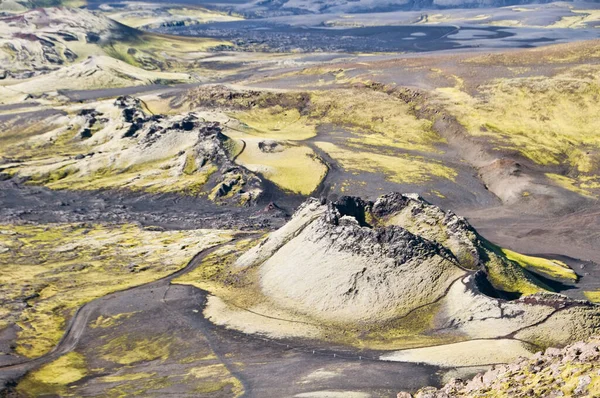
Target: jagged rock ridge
(209, 152)
(123, 145)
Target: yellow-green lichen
(396, 168)
(294, 168)
(593, 296)
(551, 268)
(214, 378)
(58, 267)
(111, 321)
(128, 349)
(509, 276)
(55, 377)
(549, 120)
(278, 123)
(127, 377)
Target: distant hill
(71, 48)
(23, 5)
(268, 7)
(263, 8)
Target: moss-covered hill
(122, 145)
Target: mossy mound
(337, 268)
(395, 273)
(507, 271)
(364, 233)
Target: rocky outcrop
(123, 145)
(226, 97)
(231, 182)
(419, 217)
(573, 371)
(340, 270)
(89, 120)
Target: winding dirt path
(261, 357)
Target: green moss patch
(128, 350)
(593, 296)
(396, 168)
(551, 268)
(549, 120)
(55, 377)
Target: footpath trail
(77, 324)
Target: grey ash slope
(371, 284)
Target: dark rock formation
(91, 118)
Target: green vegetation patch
(583, 185)
(18, 139)
(215, 266)
(508, 272)
(400, 168)
(214, 378)
(127, 377)
(133, 354)
(154, 176)
(550, 120)
(58, 159)
(110, 321)
(278, 123)
(593, 296)
(139, 386)
(374, 118)
(294, 168)
(156, 17)
(551, 268)
(167, 53)
(55, 377)
(407, 332)
(130, 349)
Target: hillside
(291, 7)
(219, 214)
(50, 49)
(573, 371)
